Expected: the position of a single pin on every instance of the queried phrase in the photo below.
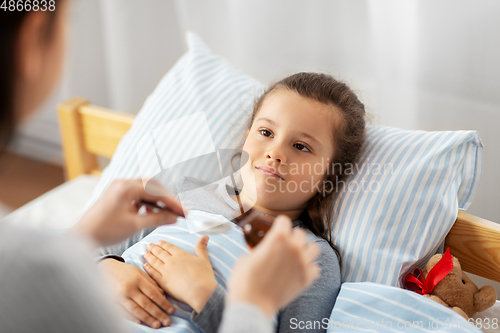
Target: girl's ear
(246, 135)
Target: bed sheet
(356, 302)
(489, 315)
(59, 208)
(367, 306)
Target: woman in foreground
(49, 282)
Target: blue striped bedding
(224, 249)
(363, 306)
(371, 307)
(380, 234)
(422, 180)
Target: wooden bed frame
(90, 131)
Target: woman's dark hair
(348, 137)
(10, 24)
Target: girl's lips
(269, 171)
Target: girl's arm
(316, 303)
(210, 316)
(138, 294)
(271, 277)
(190, 279)
(135, 289)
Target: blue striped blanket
(372, 307)
(361, 306)
(224, 248)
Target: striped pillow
(200, 82)
(402, 199)
(381, 232)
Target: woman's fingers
(311, 251)
(279, 233)
(156, 192)
(298, 237)
(281, 224)
(114, 217)
(153, 220)
(312, 273)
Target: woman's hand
(277, 271)
(139, 295)
(188, 278)
(114, 217)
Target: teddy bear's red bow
(424, 286)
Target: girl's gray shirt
(311, 309)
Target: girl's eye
(301, 147)
(265, 132)
(268, 134)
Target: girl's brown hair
(348, 138)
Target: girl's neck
(248, 203)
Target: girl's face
(290, 146)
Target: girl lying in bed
(304, 131)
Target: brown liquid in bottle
(254, 226)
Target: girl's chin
(263, 195)
(266, 190)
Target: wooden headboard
(89, 131)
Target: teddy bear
(443, 281)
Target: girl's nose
(273, 155)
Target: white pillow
(379, 234)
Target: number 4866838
(28, 5)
